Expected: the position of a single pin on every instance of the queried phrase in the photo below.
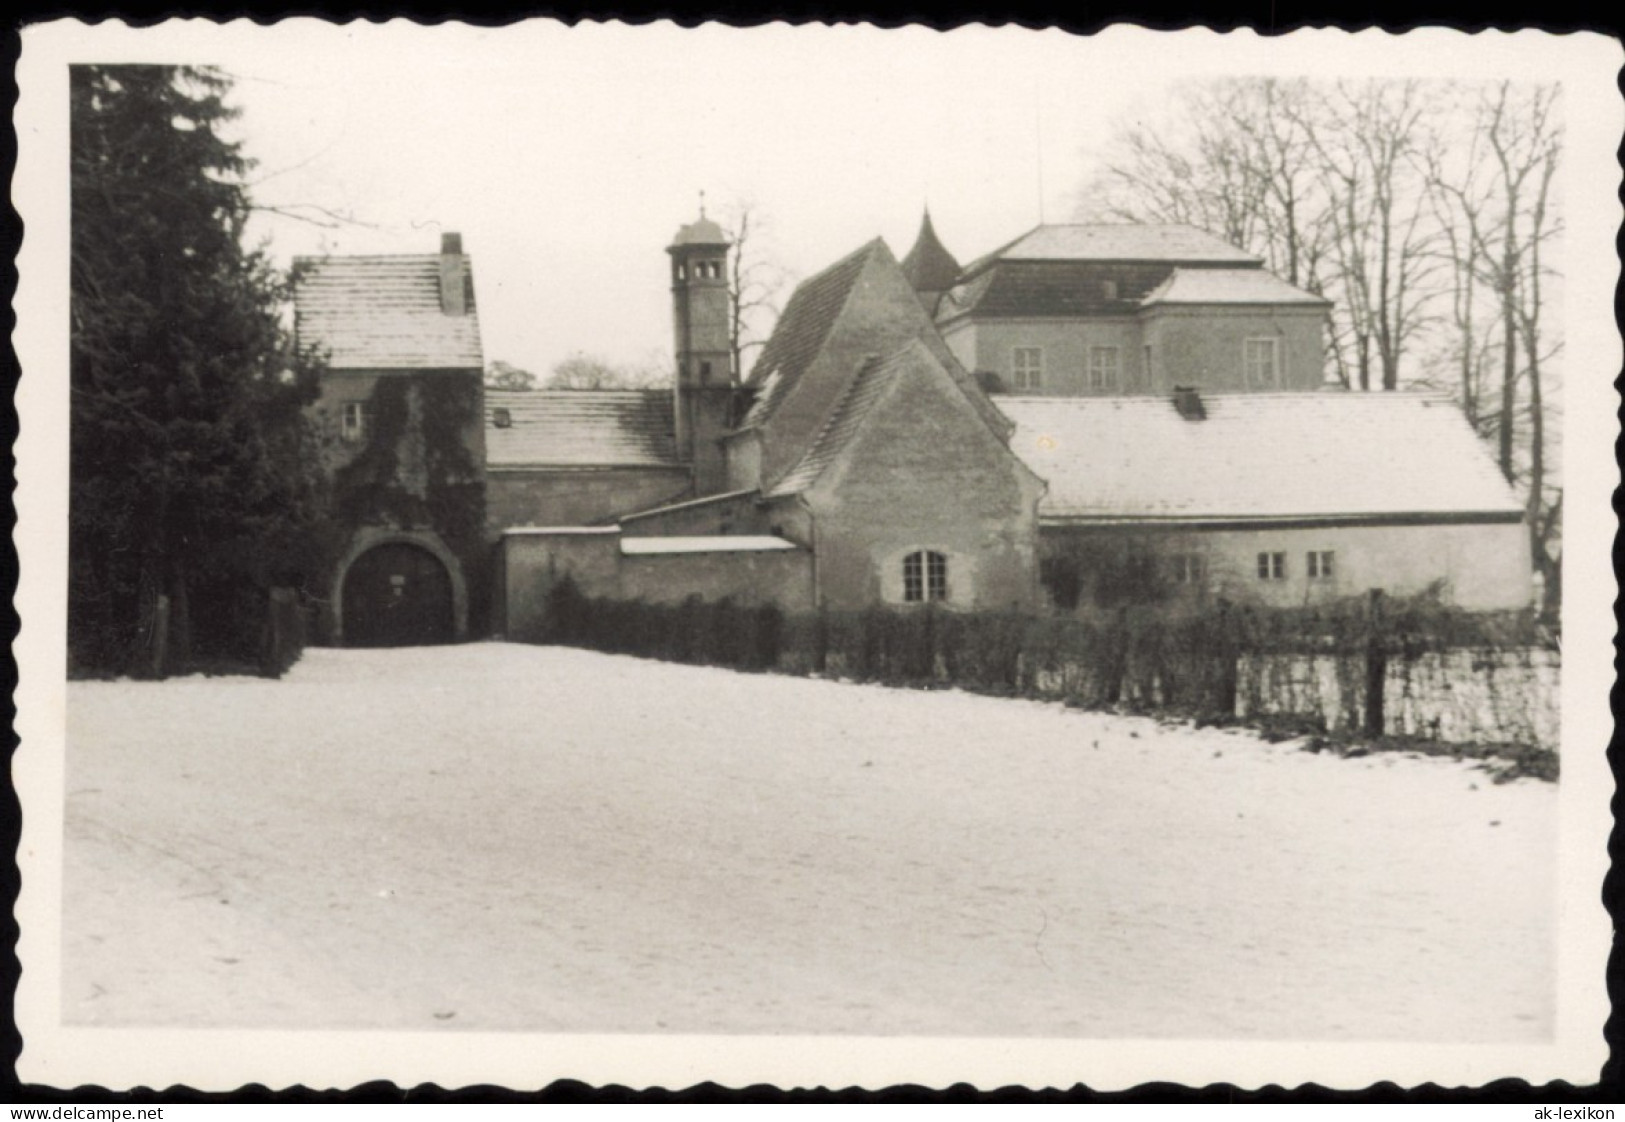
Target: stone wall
(562, 497)
(533, 562)
(1454, 697)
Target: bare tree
(1424, 210)
(1499, 202)
(1365, 138)
(754, 280)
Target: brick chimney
(1188, 402)
(453, 276)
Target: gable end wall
(924, 472)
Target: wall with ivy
(421, 466)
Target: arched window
(925, 576)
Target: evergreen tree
(193, 486)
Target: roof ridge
(373, 256)
(868, 367)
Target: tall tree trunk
(1509, 381)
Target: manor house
(1085, 417)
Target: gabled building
(402, 407)
(863, 465)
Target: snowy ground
(519, 838)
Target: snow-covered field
(522, 838)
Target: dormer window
(501, 418)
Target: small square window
(1272, 566)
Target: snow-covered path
(521, 838)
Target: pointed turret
(929, 267)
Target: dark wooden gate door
(397, 596)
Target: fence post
(160, 636)
(1376, 665)
(1228, 654)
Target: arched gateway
(400, 593)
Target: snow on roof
(383, 312)
(580, 428)
(714, 543)
(1228, 286)
(547, 531)
(1119, 241)
(1256, 456)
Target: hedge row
(1140, 657)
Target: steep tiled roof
(1228, 286)
(801, 331)
(929, 266)
(1055, 288)
(580, 428)
(846, 418)
(384, 313)
(1119, 241)
(1105, 269)
(1256, 456)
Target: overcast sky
(567, 157)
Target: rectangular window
(936, 576)
(925, 576)
(356, 422)
(1320, 562)
(1185, 568)
(1272, 566)
(1262, 362)
(1026, 368)
(1103, 368)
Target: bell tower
(705, 374)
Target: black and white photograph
(813, 555)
